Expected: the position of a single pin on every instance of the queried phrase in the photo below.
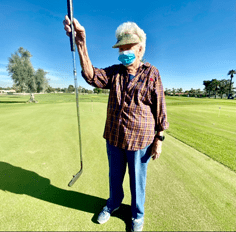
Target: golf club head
(75, 178)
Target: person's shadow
(21, 181)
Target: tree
(97, 90)
(198, 92)
(180, 90)
(231, 73)
(192, 92)
(58, 89)
(40, 80)
(22, 73)
(223, 87)
(207, 87)
(215, 86)
(50, 89)
(21, 70)
(64, 90)
(173, 91)
(71, 88)
(16, 88)
(80, 89)
(167, 91)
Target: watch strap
(161, 138)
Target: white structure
(10, 92)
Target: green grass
(53, 98)
(186, 190)
(207, 125)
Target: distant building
(9, 92)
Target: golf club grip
(70, 15)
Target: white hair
(132, 28)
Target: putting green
(186, 190)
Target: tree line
(222, 87)
(26, 79)
(81, 89)
(213, 87)
(187, 93)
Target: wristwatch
(162, 138)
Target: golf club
(72, 45)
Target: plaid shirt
(136, 108)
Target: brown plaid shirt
(136, 108)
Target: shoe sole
(140, 229)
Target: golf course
(191, 187)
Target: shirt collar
(147, 64)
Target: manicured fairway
(186, 190)
(207, 125)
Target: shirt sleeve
(159, 104)
(101, 78)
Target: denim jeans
(137, 163)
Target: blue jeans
(137, 162)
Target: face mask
(127, 57)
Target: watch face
(162, 138)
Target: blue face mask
(127, 57)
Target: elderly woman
(136, 115)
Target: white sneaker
(105, 214)
(137, 224)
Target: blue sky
(187, 40)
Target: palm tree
(231, 73)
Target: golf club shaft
(72, 44)
(75, 177)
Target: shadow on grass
(21, 181)
(13, 102)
